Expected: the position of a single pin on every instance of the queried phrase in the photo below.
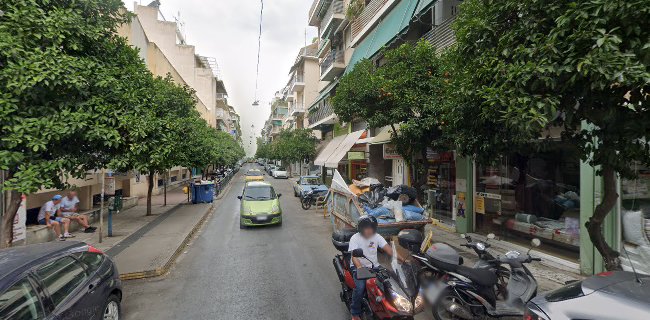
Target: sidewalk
(548, 277)
(146, 246)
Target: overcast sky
(228, 30)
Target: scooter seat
(483, 277)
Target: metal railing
(441, 36)
(369, 12)
(298, 107)
(336, 7)
(321, 112)
(332, 57)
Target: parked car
(260, 205)
(280, 173)
(253, 175)
(58, 280)
(307, 183)
(608, 295)
(270, 169)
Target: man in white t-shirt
(369, 241)
(48, 216)
(70, 210)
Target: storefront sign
(480, 204)
(20, 229)
(356, 155)
(494, 196)
(390, 152)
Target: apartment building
(303, 85)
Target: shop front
(441, 183)
(532, 196)
(635, 220)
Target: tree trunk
(149, 192)
(7, 231)
(165, 187)
(595, 223)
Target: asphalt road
(262, 273)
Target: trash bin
(202, 193)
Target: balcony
(316, 11)
(297, 109)
(332, 18)
(332, 65)
(441, 36)
(322, 114)
(297, 82)
(363, 21)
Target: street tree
(153, 140)
(407, 92)
(263, 149)
(294, 146)
(525, 65)
(63, 86)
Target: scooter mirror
(357, 253)
(491, 236)
(536, 242)
(462, 235)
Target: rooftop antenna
(259, 47)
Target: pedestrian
(70, 209)
(369, 241)
(48, 215)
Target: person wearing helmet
(369, 241)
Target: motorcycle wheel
(440, 311)
(305, 203)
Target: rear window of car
(61, 277)
(91, 260)
(253, 173)
(570, 291)
(259, 193)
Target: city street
(263, 273)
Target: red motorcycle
(390, 294)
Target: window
(92, 261)
(20, 302)
(259, 193)
(61, 278)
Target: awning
(324, 93)
(328, 150)
(343, 148)
(393, 25)
(383, 136)
(424, 5)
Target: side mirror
(536, 242)
(491, 236)
(279, 195)
(239, 197)
(358, 253)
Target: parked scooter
(468, 293)
(487, 260)
(308, 199)
(390, 294)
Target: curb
(170, 262)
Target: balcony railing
(336, 56)
(442, 36)
(368, 13)
(322, 111)
(335, 8)
(297, 108)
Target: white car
(280, 173)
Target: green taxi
(260, 205)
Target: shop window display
(635, 220)
(535, 195)
(441, 181)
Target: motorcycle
(309, 198)
(390, 294)
(468, 293)
(487, 260)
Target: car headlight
(419, 303)
(401, 304)
(275, 208)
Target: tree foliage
(294, 146)
(408, 91)
(523, 66)
(263, 149)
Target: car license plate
(262, 218)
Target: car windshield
(310, 181)
(253, 173)
(259, 193)
(280, 169)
